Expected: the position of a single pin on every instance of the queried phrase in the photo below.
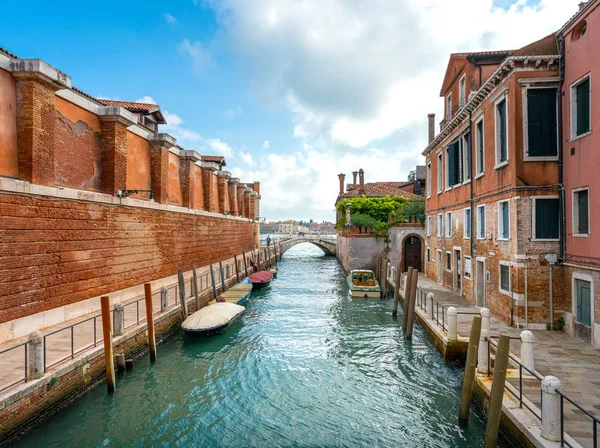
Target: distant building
(286, 227)
(269, 228)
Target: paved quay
(574, 362)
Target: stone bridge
(327, 245)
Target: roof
(8, 53)
(545, 46)
(214, 159)
(575, 16)
(130, 106)
(375, 189)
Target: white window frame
(428, 255)
(462, 91)
(448, 254)
(428, 179)
(498, 164)
(479, 237)
(573, 107)
(482, 172)
(575, 214)
(499, 222)
(465, 236)
(551, 84)
(448, 224)
(449, 107)
(503, 291)
(533, 202)
(440, 173)
(464, 272)
(429, 226)
(440, 226)
(466, 151)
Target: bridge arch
(326, 246)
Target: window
(440, 174)
(462, 91)
(504, 277)
(440, 229)
(448, 224)
(428, 253)
(467, 223)
(429, 226)
(448, 261)
(466, 144)
(479, 152)
(580, 107)
(501, 133)
(467, 269)
(481, 222)
(449, 107)
(503, 220)
(581, 213)
(429, 179)
(454, 164)
(546, 218)
(541, 126)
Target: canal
(306, 366)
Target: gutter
(563, 208)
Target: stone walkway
(574, 362)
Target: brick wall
(57, 252)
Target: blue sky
(331, 85)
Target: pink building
(580, 41)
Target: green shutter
(503, 143)
(457, 161)
(547, 218)
(541, 123)
(450, 163)
(582, 215)
(505, 224)
(480, 148)
(583, 107)
(467, 150)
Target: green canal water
(306, 366)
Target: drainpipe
(563, 228)
(473, 280)
(526, 310)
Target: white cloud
(219, 147)
(146, 99)
(169, 18)
(232, 112)
(190, 139)
(266, 144)
(200, 56)
(247, 159)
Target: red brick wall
(55, 252)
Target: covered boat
(362, 283)
(274, 271)
(213, 318)
(261, 279)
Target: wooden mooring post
(410, 308)
(245, 265)
(469, 375)
(377, 268)
(223, 281)
(108, 348)
(237, 269)
(497, 392)
(150, 321)
(396, 291)
(184, 310)
(383, 277)
(406, 297)
(212, 278)
(195, 286)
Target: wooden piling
(245, 265)
(382, 279)
(150, 320)
(184, 310)
(120, 357)
(223, 280)
(406, 297)
(237, 269)
(195, 286)
(497, 392)
(469, 375)
(258, 259)
(108, 348)
(396, 291)
(212, 277)
(377, 268)
(410, 309)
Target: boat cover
(261, 277)
(212, 316)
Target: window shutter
(583, 107)
(582, 208)
(450, 162)
(467, 151)
(547, 218)
(459, 161)
(503, 142)
(505, 220)
(541, 122)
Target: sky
(291, 92)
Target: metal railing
(25, 346)
(595, 421)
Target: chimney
(431, 127)
(361, 175)
(354, 174)
(341, 177)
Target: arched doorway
(412, 252)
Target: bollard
(497, 392)
(120, 357)
(35, 363)
(396, 292)
(108, 348)
(551, 408)
(150, 321)
(431, 298)
(410, 310)
(195, 286)
(184, 310)
(452, 324)
(469, 375)
(482, 355)
(119, 319)
(527, 349)
(164, 299)
(406, 297)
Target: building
(579, 39)
(286, 227)
(268, 228)
(492, 193)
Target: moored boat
(274, 271)
(213, 318)
(261, 279)
(363, 283)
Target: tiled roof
(214, 159)
(484, 53)
(8, 53)
(130, 106)
(383, 189)
(89, 97)
(544, 46)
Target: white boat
(362, 283)
(213, 318)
